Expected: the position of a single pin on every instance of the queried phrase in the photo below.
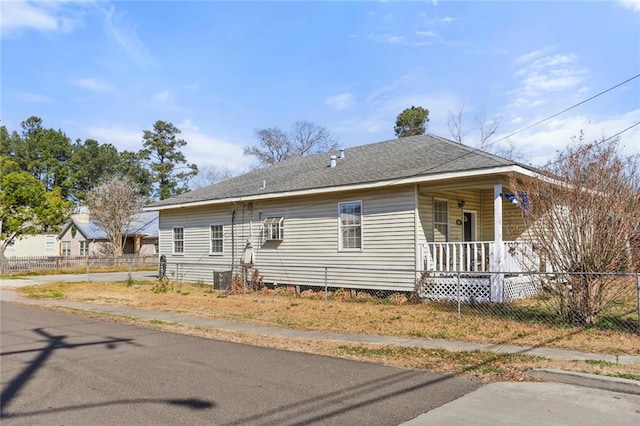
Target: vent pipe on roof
(264, 184)
(342, 153)
(332, 162)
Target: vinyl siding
(33, 245)
(310, 238)
(473, 203)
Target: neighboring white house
(418, 203)
(34, 245)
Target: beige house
(419, 203)
(34, 245)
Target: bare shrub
(112, 206)
(398, 299)
(582, 215)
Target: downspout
(233, 239)
(416, 240)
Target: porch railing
(475, 256)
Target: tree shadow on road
(12, 390)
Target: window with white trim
(84, 248)
(441, 220)
(350, 224)
(66, 248)
(216, 241)
(50, 243)
(273, 228)
(178, 240)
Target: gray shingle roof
(143, 223)
(394, 159)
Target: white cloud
(537, 103)
(541, 143)
(540, 73)
(380, 109)
(162, 96)
(528, 57)
(397, 39)
(120, 137)
(201, 148)
(187, 124)
(448, 19)
(340, 102)
(96, 84)
(21, 15)
(631, 4)
(35, 98)
(206, 150)
(125, 35)
(427, 33)
(491, 51)
(17, 16)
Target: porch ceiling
(462, 183)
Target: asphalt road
(58, 368)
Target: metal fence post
(326, 291)
(638, 292)
(458, 291)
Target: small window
(441, 220)
(217, 240)
(66, 248)
(156, 248)
(84, 248)
(50, 243)
(350, 224)
(178, 240)
(274, 228)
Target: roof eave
(514, 168)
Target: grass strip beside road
(279, 309)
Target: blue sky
(220, 70)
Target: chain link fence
(604, 300)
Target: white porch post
(497, 258)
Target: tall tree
(112, 205)
(411, 122)
(585, 222)
(5, 140)
(26, 207)
(305, 138)
(44, 153)
(168, 165)
(92, 163)
(131, 166)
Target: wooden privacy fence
(35, 263)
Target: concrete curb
(614, 384)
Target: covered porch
(464, 254)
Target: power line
(619, 133)
(566, 109)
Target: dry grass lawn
(367, 316)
